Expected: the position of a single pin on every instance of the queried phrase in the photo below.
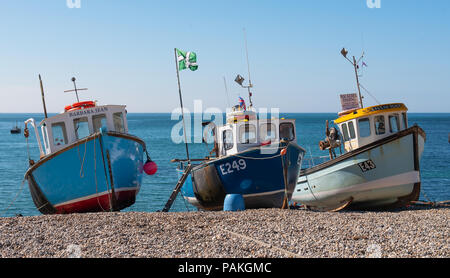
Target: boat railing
(183, 163)
(33, 124)
(309, 162)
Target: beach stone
(261, 233)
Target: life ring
(79, 105)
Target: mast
(226, 91)
(357, 81)
(43, 99)
(344, 53)
(239, 79)
(75, 90)
(248, 68)
(182, 109)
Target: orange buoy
(79, 105)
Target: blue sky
(123, 52)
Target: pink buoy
(150, 167)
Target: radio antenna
(250, 85)
(226, 91)
(239, 79)
(76, 89)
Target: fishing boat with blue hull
(88, 161)
(258, 159)
(380, 168)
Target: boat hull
(254, 174)
(383, 174)
(102, 172)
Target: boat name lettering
(384, 107)
(230, 167)
(88, 111)
(367, 165)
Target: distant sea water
(155, 130)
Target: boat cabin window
(405, 121)
(227, 139)
(81, 127)
(351, 129)
(118, 122)
(345, 132)
(267, 132)
(247, 134)
(379, 125)
(99, 121)
(287, 131)
(59, 134)
(394, 123)
(364, 127)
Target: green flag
(187, 60)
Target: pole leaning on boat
(181, 104)
(188, 60)
(43, 98)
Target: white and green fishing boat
(380, 165)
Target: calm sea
(155, 130)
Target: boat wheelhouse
(244, 131)
(363, 126)
(70, 126)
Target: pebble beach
(263, 233)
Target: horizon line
(320, 112)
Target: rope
(46, 203)
(184, 201)
(26, 134)
(430, 202)
(426, 197)
(106, 175)
(95, 177)
(269, 246)
(15, 198)
(360, 85)
(84, 156)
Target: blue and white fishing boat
(256, 158)
(88, 160)
(379, 167)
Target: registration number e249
(231, 167)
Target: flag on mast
(187, 60)
(242, 103)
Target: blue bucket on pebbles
(233, 202)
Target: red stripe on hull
(100, 203)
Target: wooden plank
(177, 188)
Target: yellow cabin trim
(372, 110)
